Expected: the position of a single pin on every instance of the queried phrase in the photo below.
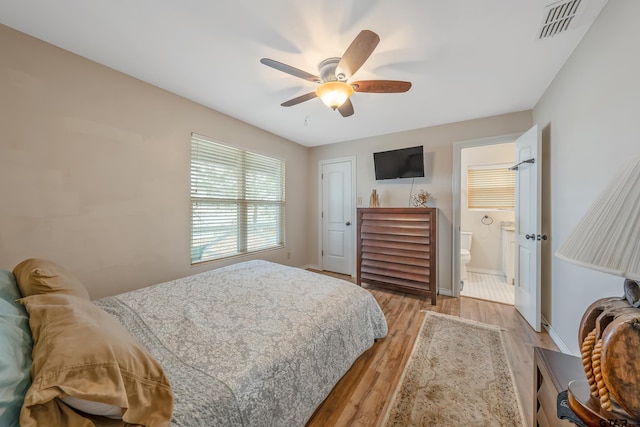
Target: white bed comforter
(252, 344)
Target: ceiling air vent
(559, 17)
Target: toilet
(465, 253)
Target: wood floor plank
(361, 397)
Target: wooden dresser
(553, 372)
(397, 249)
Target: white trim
(445, 292)
(556, 338)
(486, 271)
(455, 230)
(321, 163)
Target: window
(237, 201)
(491, 188)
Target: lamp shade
(334, 94)
(607, 239)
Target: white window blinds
(237, 201)
(491, 188)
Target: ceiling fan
(333, 88)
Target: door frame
(457, 171)
(321, 164)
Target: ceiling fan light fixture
(334, 94)
(332, 87)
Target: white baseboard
(317, 267)
(445, 292)
(556, 338)
(485, 271)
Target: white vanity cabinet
(508, 252)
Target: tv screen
(402, 163)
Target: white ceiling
(466, 58)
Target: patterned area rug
(457, 375)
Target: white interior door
(337, 221)
(528, 226)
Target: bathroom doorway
(486, 213)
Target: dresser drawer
(541, 418)
(552, 373)
(548, 398)
(396, 249)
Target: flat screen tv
(402, 163)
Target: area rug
(457, 375)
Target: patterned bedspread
(252, 344)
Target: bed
(251, 344)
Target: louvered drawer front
(396, 247)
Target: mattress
(251, 344)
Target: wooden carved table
(587, 408)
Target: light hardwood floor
(362, 395)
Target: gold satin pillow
(79, 350)
(39, 276)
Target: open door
(528, 225)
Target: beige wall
(94, 170)
(438, 146)
(94, 165)
(589, 117)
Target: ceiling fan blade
(346, 109)
(299, 99)
(290, 70)
(357, 53)
(381, 86)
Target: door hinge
(322, 252)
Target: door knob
(348, 223)
(530, 236)
(542, 237)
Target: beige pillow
(39, 276)
(81, 351)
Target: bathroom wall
(486, 248)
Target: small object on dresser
(420, 199)
(374, 202)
